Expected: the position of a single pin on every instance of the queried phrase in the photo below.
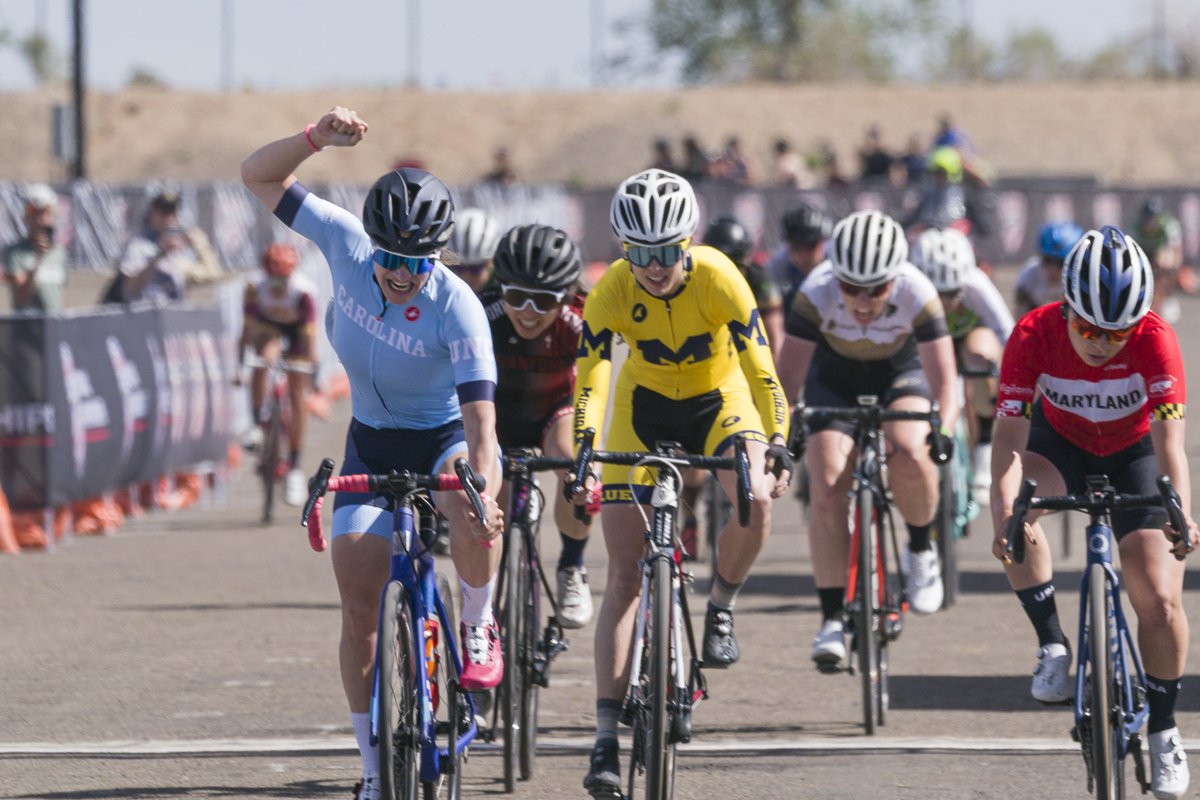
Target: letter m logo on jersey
(696, 348)
(751, 331)
(600, 343)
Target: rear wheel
(866, 634)
(530, 626)
(509, 691)
(1106, 763)
(268, 466)
(399, 749)
(452, 715)
(946, 526)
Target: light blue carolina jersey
(409, 366)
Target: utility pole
(227, 45)
(414, 43)
(597, 30)
(79, 163)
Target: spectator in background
(663, 158)
(875, 163)
(502, 172)
(36, 267)
(732, 164)
(696, 163)
(1161, 236)
(943, 202)
(912, 162)
(165, 258)
(948, 135)
(835, 178)
(790, 169)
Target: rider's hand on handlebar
(582, 498)
(1182, 545)
(1000, 540)
(491, 527)
(941, 446)
(779, 462)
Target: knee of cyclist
(1162, 612)
(361, 617)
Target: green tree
(1032, 55)
(787, 40)
(43, 59)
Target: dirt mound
(1130, 133)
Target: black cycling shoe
(720, 645)
(604, 776)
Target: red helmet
(280, 260)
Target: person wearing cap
(35, 265)
(166, 257)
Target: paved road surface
(192, 655)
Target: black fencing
(94, 402)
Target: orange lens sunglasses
(1095, 333)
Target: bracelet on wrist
(308, 138)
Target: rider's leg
(572, 592)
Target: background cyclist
(473, 241)
(867, 322)
(417, 351)
(805, 230)
(1095, 385)
(280, 306)
(980, 323)
(1040, 280)
(683, 311)
(1161, 236)
(535, 309)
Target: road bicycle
(876, 588)
(421, 719)
(1110, 686)
(665, 680)
(275, 420)
(529, 648)
(957, 508)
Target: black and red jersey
(1100, 410)
(536, 376)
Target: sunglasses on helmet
(854, 290)
(519, 298)
(666, 254)
(417, 265)
(1093, 333)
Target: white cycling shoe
(924, 571)
(1052, 675)
(1169, 775)
(829, 646)
(295, 487)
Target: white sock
(362, 733)
(477, 602)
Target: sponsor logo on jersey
(730, 420)
(471, 348)
(694, 348)
(1011, 408)
(600, 343)
(1019, 391)
(750, 332)
(412, 313)
(1096, 401)
(639, 312)
(1160, 385)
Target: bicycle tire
(1104, 739)
(531, 612)
(946, 530)
(509, 692)
(660, 750)
(867, 639)
(269, 464)
(717, 512)
(449, 783)
(399, 759)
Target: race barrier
(92, 403)
(97, 219)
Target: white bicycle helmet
(867, 247)
(653, 208)
(1107, 279)
(475, 236)
(946, 257)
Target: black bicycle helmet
(730, 237)
(410, 212)
(537, 256)
(805, 225)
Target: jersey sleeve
(1018, 373)
(468, 337)
(986, 301)
(593, 360)
(1166, 380)
(333, 229)
(741, 316)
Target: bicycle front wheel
(399, 750)
(531, 620)
(946, 525)
(660, 750)
(866, 611)
(509, 691)
(1102, 721)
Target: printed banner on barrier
(100, 401)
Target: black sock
(572, 551)
(1161, 695)
(985, 429)
(1039, 605)
(293, 459)
(608, 713)
(833, 601)
(918, 537)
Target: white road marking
(580, 744)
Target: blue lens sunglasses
(417, 265)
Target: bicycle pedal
(606, 793)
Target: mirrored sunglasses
(666, 254)
(417, 265)
(854, 290)
(1094, 333)
(541, 300)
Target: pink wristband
(308, 138)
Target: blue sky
(465, 44)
